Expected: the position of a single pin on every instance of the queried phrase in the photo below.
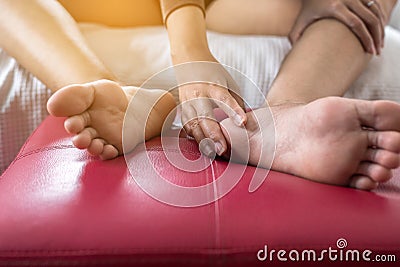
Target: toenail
(219, 148)
(207, 147)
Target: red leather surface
(59, 206)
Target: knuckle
(223, 97)
(187, 129)
(204, 113)
(212, 134)
(192, 124)
(378, 5)
(355, 23)
(374, 21)
(336, 6)
(201, 119)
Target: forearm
(187, 34)
(45, 40)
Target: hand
(205, 86)
(367, 23)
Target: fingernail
(373, 51)
(238, 120)
(208, 150)
(219, 148)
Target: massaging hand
(205, 86)
(365, 18)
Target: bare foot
(332, 140)
(96, 113)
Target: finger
(371, 20)
(208, 123)
(240, 102)
(377, 9)
(235, 91)
(228, 104)
(302, 22)
(191, 123)
(206, 148)
(233, 88)
(188, 114)
(193, 127)
(212, 130)
(358, 27)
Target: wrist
(189, 53)
(187, 35)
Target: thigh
(264, 17)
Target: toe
(387, 115)
(363, 183)
(71, 100)
(380, 115)
(109, 152)
(77, 123)
(96, 147)
(383, 157)
(84, 138)
(388, 140)
(376, 172)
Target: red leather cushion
(59, 206)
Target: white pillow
(395, 20)
(138, 53)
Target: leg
(96, 112)
(338, 141)
(324, 62)
(46, 41)
(96, 109)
